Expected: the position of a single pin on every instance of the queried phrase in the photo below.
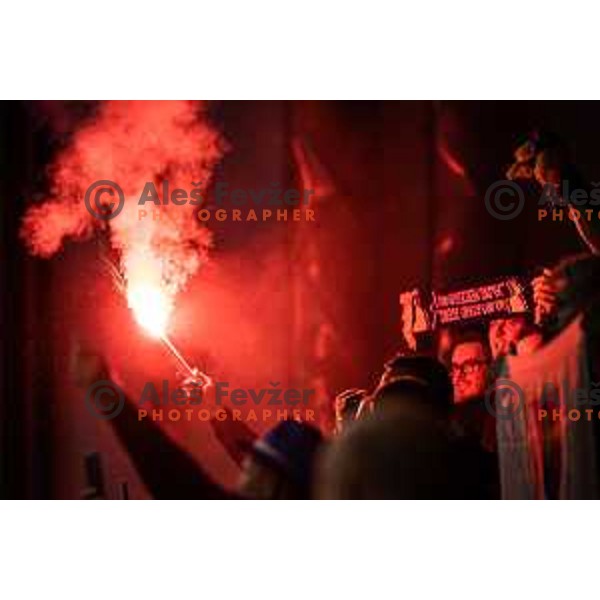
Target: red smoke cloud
(131, 143)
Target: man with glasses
(471, 420)
(470, 368)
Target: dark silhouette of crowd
(430, 428)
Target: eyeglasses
(466, 368)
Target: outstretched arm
(546, 159)
(167, 470)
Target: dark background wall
(305, 304)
